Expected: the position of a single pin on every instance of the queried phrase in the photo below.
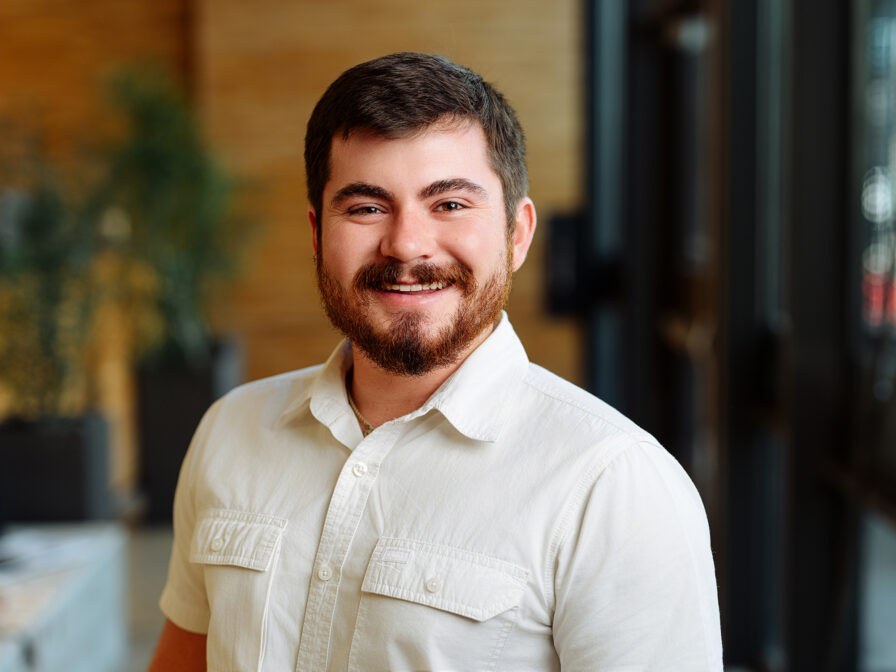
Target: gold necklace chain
(367, 428)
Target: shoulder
(246, 413)
(586, 445)
(266, 398)
(568, 410)
(265, 388)
(608, 453)
(239, 425)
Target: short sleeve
(184, 600)
(635, 585)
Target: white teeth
(415, 288)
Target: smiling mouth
(432, 286)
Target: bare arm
(179, 650)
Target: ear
(312, 218)
(523, 231)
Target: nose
(408, 236)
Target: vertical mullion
(607, 24)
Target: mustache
(379, 274)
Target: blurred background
(716, 257)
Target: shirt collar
(325, 395)
(472, 399)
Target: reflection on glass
(877, 197)
(877, 645)
(876, 156)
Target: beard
(403, 347)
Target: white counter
(62, 602)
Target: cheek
(345, 251)
(478, 248)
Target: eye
(450, 206)
(365, 210)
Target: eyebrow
(453, 184)
(361, 189)
(434, 189)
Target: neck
(381, 396)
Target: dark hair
(397, 95)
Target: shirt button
(359, 469)
(432, 585)
(325, 573)
(217, 544)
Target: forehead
(437, 152)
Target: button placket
(344, 513)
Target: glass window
(877, 646)
(875, 205)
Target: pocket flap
(226, 537)
(451, 579)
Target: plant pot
(55, 469)
(172, 398)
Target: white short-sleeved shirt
(513, 522)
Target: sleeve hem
(184, 614)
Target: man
(428, 499)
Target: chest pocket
(239, 552)
(430, 606)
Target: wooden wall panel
(54, 56)
(261, 66)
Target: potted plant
(178, 204)
(53, 450)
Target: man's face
(415, 258)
